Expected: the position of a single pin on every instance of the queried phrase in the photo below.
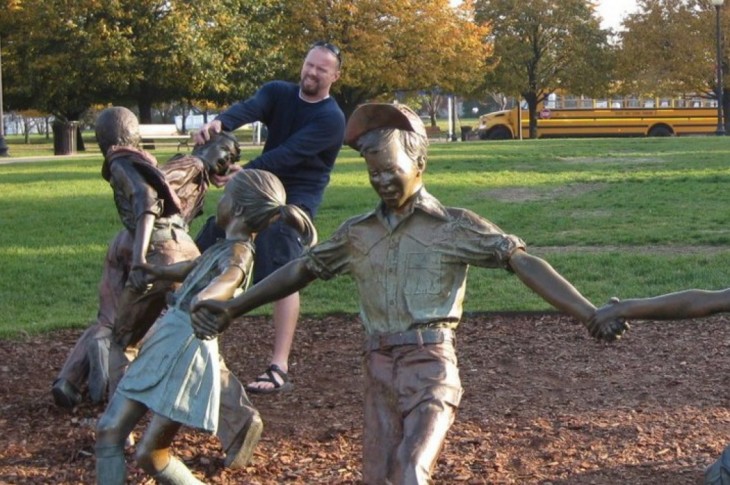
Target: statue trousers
(411, 396)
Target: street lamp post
(3, 146)
(720, 87)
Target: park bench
(433, 131)
(436, 133)
(153, 135)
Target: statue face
(218, 155)
(393, 175)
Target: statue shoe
(240, 452)
(65, 394)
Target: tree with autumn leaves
(65, 56)
(668, 48)
(394, 46)
(543, 46)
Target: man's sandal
(268, 376)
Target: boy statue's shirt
(412, 275)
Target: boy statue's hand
(209, 318)
(139, 278)
(606, 324)
(150, 272)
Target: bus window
(569, 102)
(550, 101)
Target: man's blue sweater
(303, 139)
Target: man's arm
(237, 115)
(212, 317)
(304, 144)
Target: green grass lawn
(624, 217)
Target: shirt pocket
(423, 274)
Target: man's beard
(311, 88)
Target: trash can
(3, 146)
(64, 137)
(465, 130)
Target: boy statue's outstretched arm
(211, 317)
(542, 278)
(142, 236)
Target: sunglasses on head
(330, 47)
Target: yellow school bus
(578, 116)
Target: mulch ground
(543, 404)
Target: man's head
(219, 153)
(393, 141)
(320, 70)
(116, 126)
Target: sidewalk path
(47, 158)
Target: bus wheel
(660, 130)
(499, 133)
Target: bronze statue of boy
(184, 177)
(156, 204)
(409, 258)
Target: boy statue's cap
(372, 116)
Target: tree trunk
(725, 108)
(184, 111)
(145, 112)
(80, 146)
(531, 99)
(350, 98)
(144, 103)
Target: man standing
(305, 133)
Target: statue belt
(165, 228)
(420, 337)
